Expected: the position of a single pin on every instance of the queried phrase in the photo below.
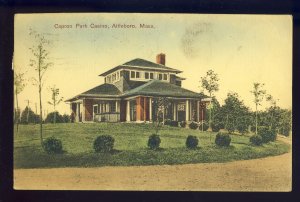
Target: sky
(241, 49)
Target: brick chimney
(161, 59)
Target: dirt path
(266, 174)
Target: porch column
(83, 110)
(150, 108)
(77, 112)
(187, 110)
(128, 110)
(174, 111)
(117, 110)
(198, 111)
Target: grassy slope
(130, 145)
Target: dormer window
(138, 75)
(132, 74)
(146, 75)
(151, 75)
(160, 76)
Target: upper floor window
(151, 75)
(146, 75)
(113, 77)
(165, 77)
(160, 76)
(132, 74)
(138, 75)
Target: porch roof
(104, 90)
(161, 88)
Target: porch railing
(107, 117)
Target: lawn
(130, 146)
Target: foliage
(259, 94)
(52, 145)
(223, 139)
(210, 83)
(55, 100)
(256, 140)
(59, 118)
(40, 63)
(169, 122)
(205, 126)
(19, 85)
(268, 135)
(183, 124)
(28, 116)
(215, 127)
(242, 124)
(191, 142)
(104, 143)
(66, 118)
(230, 127)
(154, 141)
(193, 125)
(160, 105)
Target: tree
(55, 100)
(259, 94)
(160, 105)
(28, 116)
(19, 85)
(40, 63)
(210, 84)
(273, 110)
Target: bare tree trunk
(54, 116)
(40, 97)
(256, 120)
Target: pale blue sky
(242, 49)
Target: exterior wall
(123, 110)
(173, 79)
(140, 108)
(88, 109)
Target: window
(108, 79)
(112, 107)
(132, 74)
(160, 76)
(146, 75)
(165, 77)
(118, 75)
(138, 74)
(151, 76)
(113, 77)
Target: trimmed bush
(215, 127)
(154, 141)
(191, 142)
(52, 145)
(168, 122)
(256, 140)
(183, 124)
(104, 143)
(266, 134)
(230, 127)
(205, 126)
(223, 139)
(193, 125)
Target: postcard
(135, 101)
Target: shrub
(205, 126)
(266, 134)
(193, 125)
(242, 127)
(168, 122)
(230, 127)
(104, 143)
(191, 142)
(58, 118)
(215, 127)
(223, 139)
(252, 129)
(154, 141)
(256, 140)
(174, 123)
(183, 124)
(52, 145)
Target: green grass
(130, 146)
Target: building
(131, 91)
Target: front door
(181, 111)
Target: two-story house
(129, 91)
